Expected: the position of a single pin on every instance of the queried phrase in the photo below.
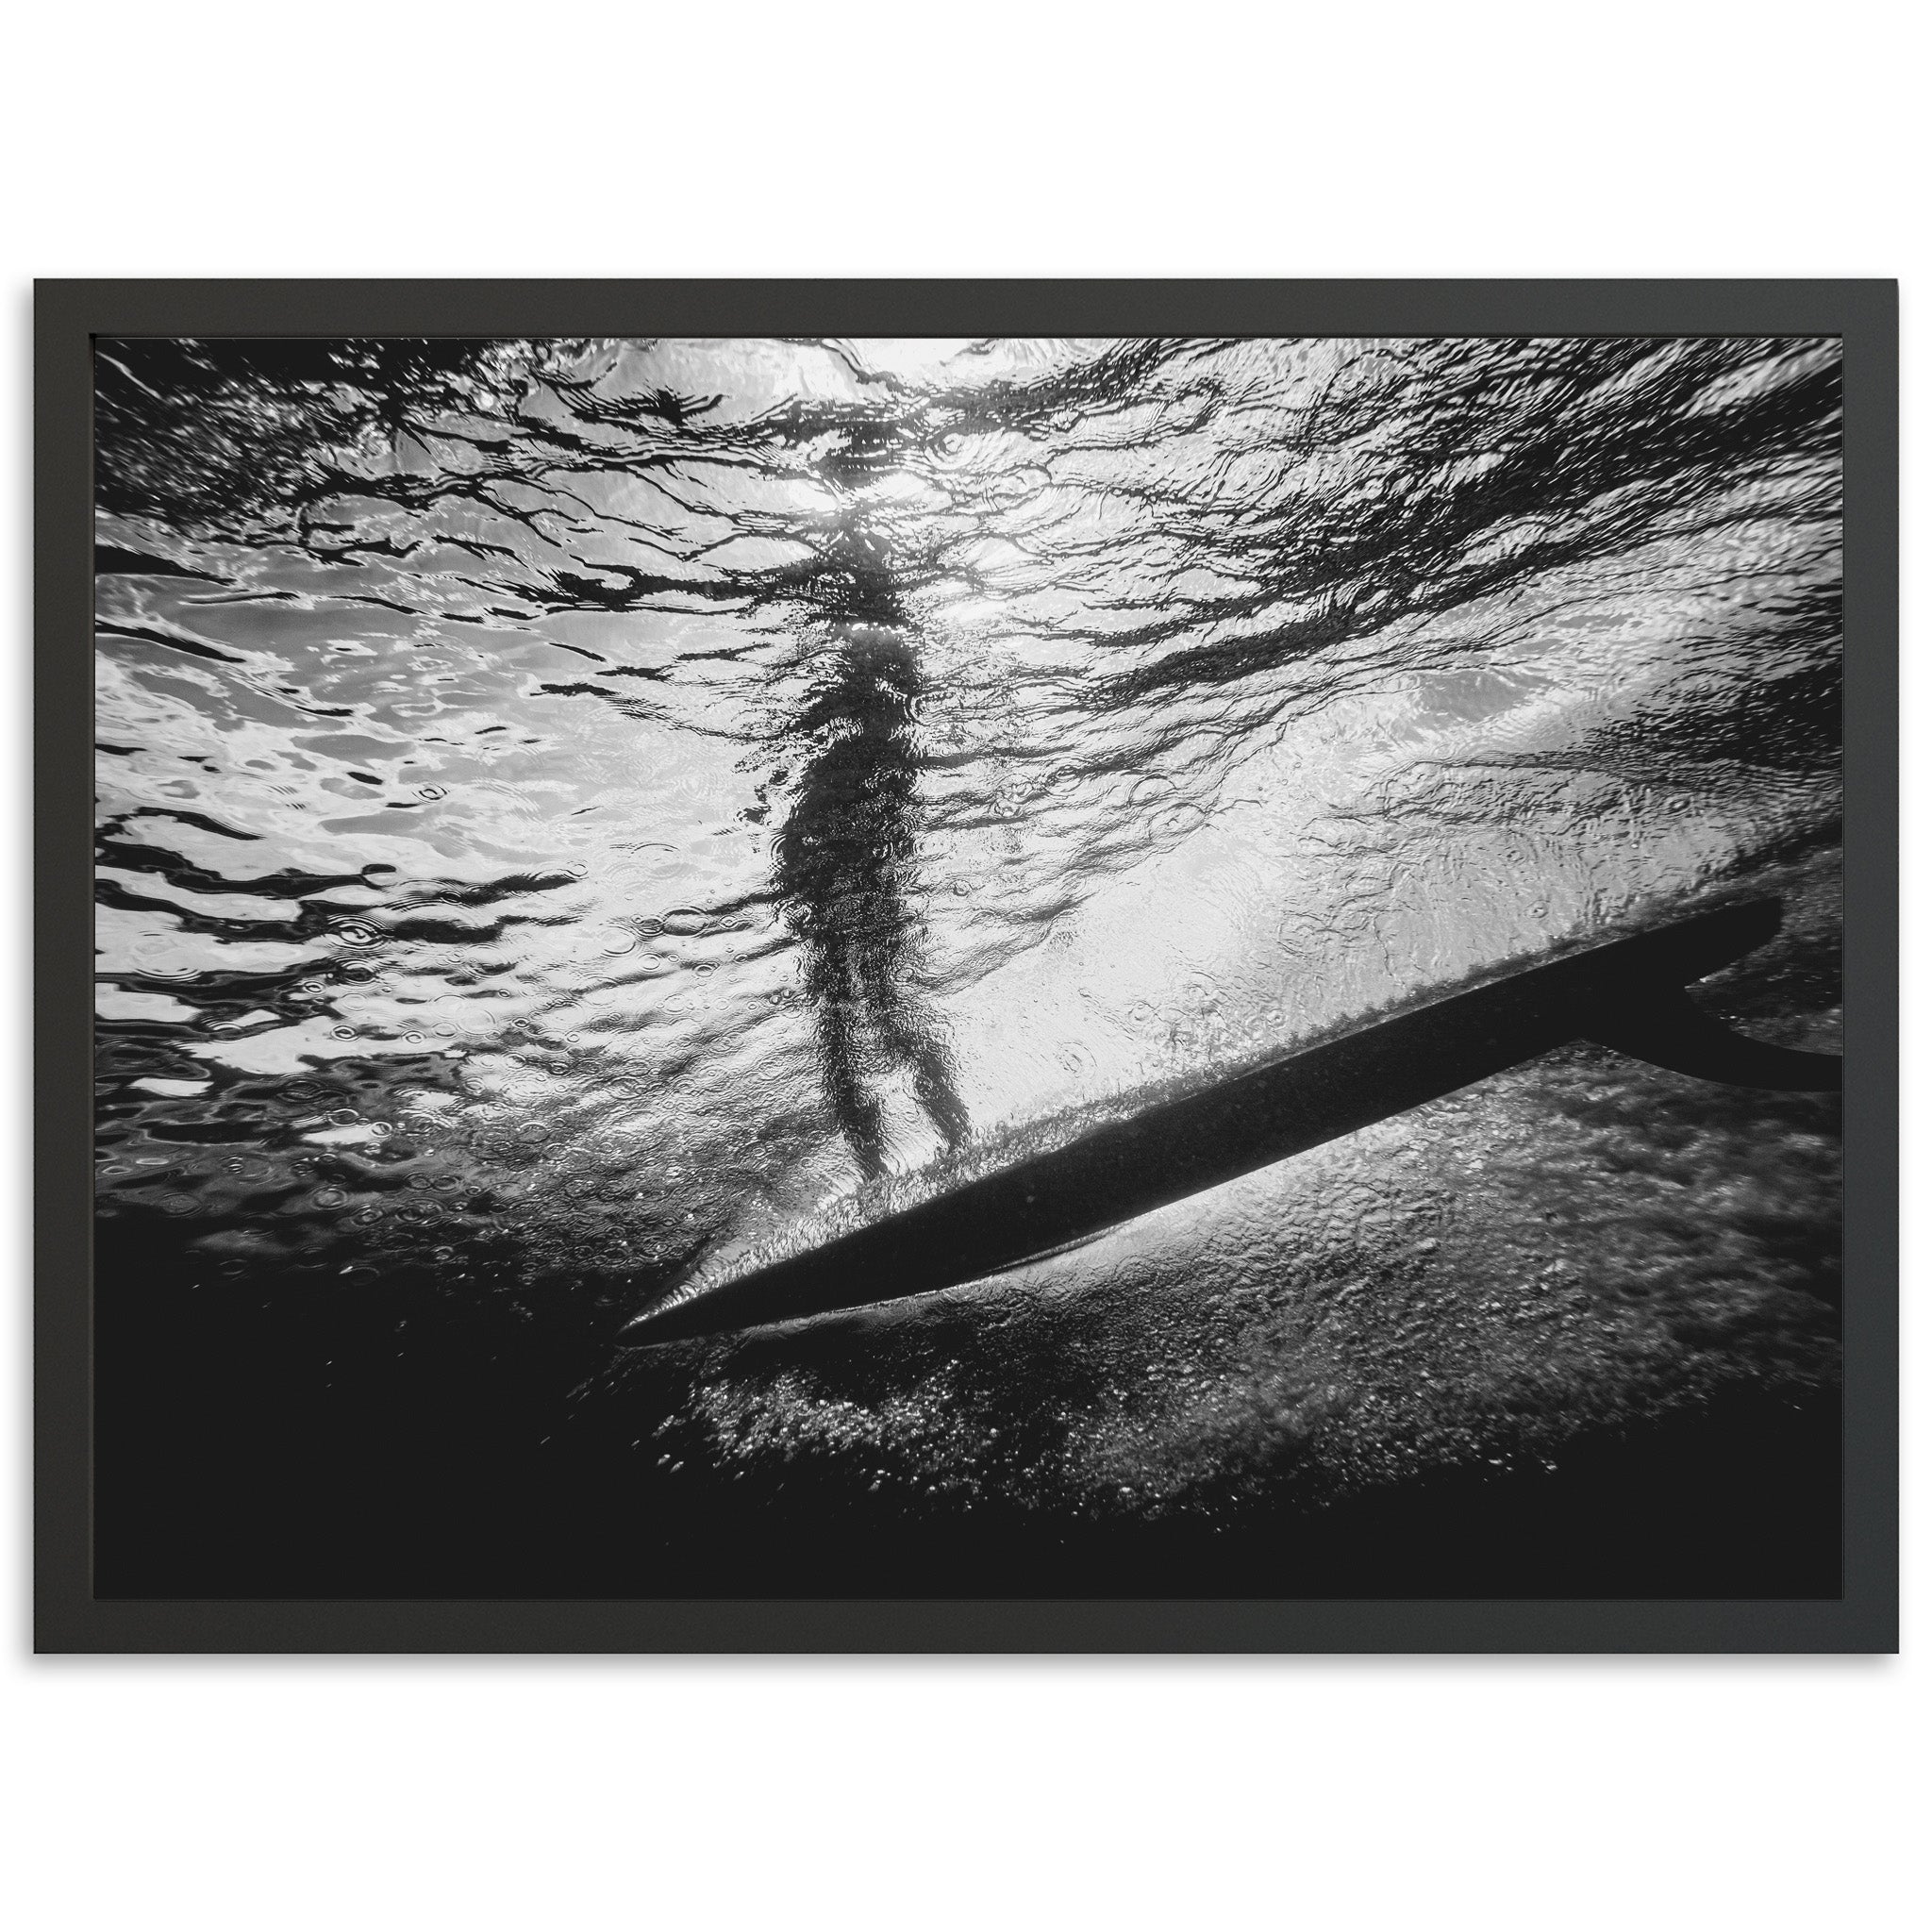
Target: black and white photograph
(988, 967)
(967, 969)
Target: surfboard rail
(1625, 992)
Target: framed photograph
(840, 966)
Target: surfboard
(1625, 992)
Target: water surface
(570, 812)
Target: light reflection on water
(591, 801)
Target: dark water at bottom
(248, 1469)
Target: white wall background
(1682, 138)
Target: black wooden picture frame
(69, 315)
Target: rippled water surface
(570, 811)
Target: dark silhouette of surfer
(846, 860)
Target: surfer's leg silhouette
(833, 989)
(932, 1080)
(910, 1038)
